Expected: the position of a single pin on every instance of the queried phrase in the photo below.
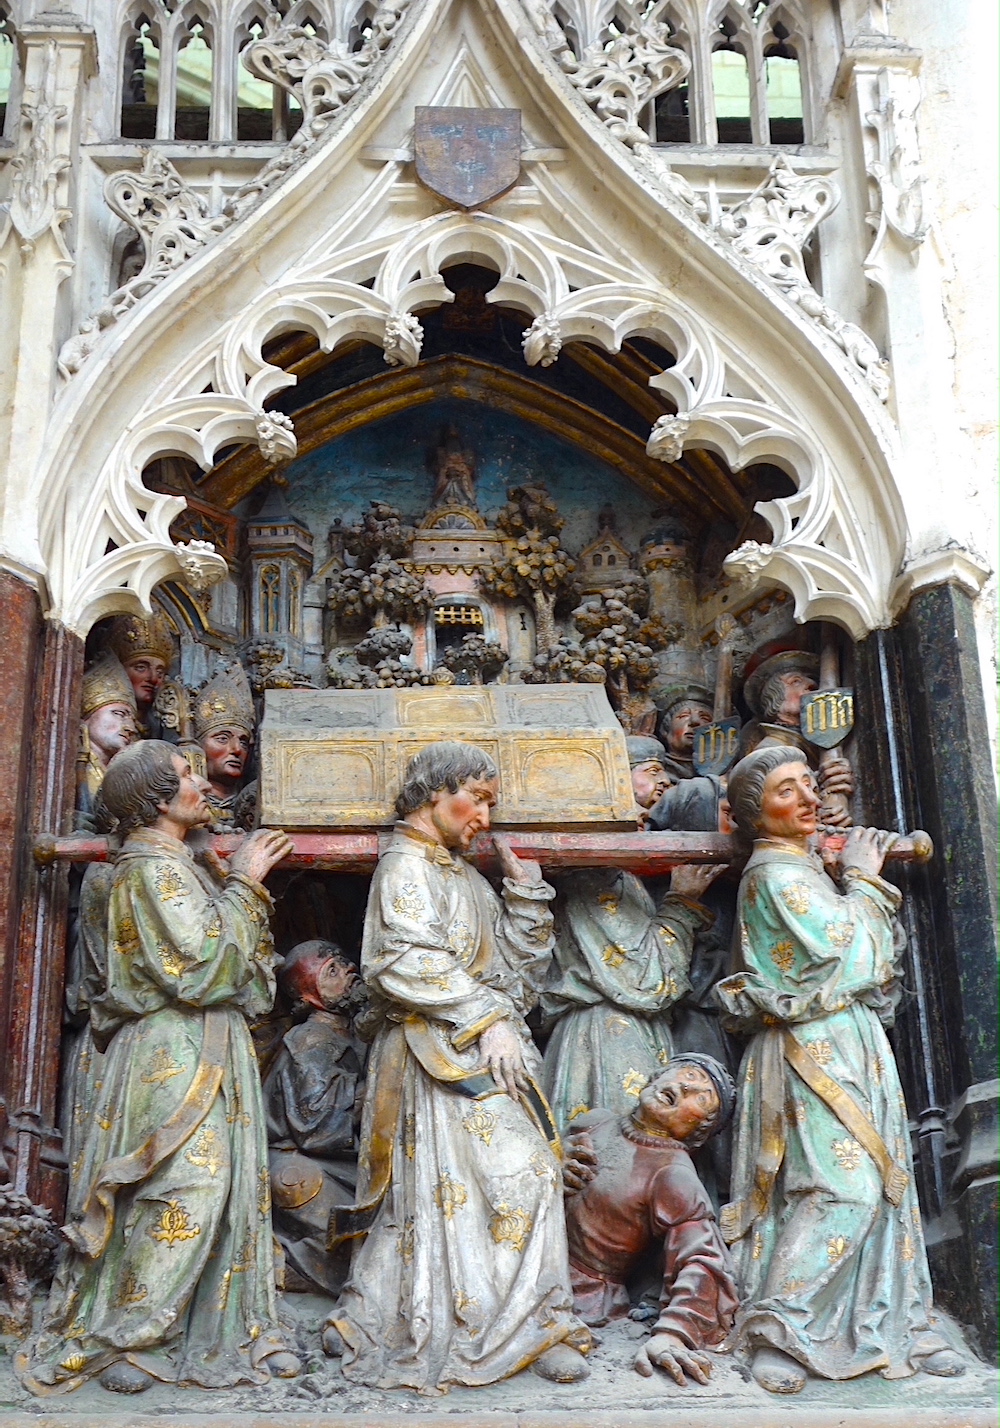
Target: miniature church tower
(280, 551)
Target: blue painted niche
(387, 461)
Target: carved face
(681, 725)
(789, 802)
(679, 1101)
(458, 817)
(796, 685)
(334, 979)
(111, 729)
(188, 807)
(147, 674)
(226, 754)
(650, 782)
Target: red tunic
(647, 1192)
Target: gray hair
(772, 696)
(137, 781)
(444, 765)
(746, 785)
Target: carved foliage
(38, 164)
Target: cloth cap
(106, 682)
(132, 636)
(641, 749)
(666, 697)
(722, 1081)
(224, 703)
(781, 662)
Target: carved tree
(28, 1244)
(536, 567)
(377, 588)
(481, 660)
(375, 663)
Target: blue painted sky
(387, 460)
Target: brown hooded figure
(630, 1187)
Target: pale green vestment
(464, 1275)
(830, 1269)
(621, 965)
(171, 1265)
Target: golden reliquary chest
(335, 758)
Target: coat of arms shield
(467, 156)
(716, 745)
(827, 717)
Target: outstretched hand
(668, 1352)
(580, 1165)
(694, 879)
(865, 850)
(262, 851)
(503, 1056)
(519, 870)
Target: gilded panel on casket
(335, 758)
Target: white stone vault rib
(184, 373)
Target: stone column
(21, 621)
(36, 972)
(925, 760)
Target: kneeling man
(463, 1277)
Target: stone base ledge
(782, 1415)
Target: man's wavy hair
(445, 765)
(746, 786)
(138, 780)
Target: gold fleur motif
(263, 1193)
(614, 955)
(751, 892)
(162, 1068)
(878, 1068)
(915, 1216)
(224, 1284)
(633, 1081)
(208, 1151)
(171, 960)
(796, 898)
(792, 1286)
(106, 1122)
(668, 935)
(667, 987)
(480, 1122)
(541, 1164)
(405, 1242)
(610, 903)
(511, 1226)
(408, 902)
(820, 1051)
(841, 934)
(168, 883)
(836, 1248)
(126, 941)
(580, 1110)
(430, 971)
(750, 1074)
(739, 984)
(616, 1024)
(663, 1056)
(449, 1195)
(214, 928)
(460, 938)
(174, 1225)
(77, 1329)
(783, 954)
(758, 1245)
(464, 1302)
(848, 1153)
(908, 1252)
(796, 1113)
(130, 1291)
(409, 1135)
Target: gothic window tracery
(270, 599)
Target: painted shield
(827, 716)
(467, 156)
(715, 746)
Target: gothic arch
(754, 378)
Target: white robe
(463, 1277)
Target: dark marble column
(21, 620)
(924, 760)
(36, 973)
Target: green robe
(827, 1244)
(171, 1259)
(621, 965)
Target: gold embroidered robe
(463, 1277)
(171, 1259)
